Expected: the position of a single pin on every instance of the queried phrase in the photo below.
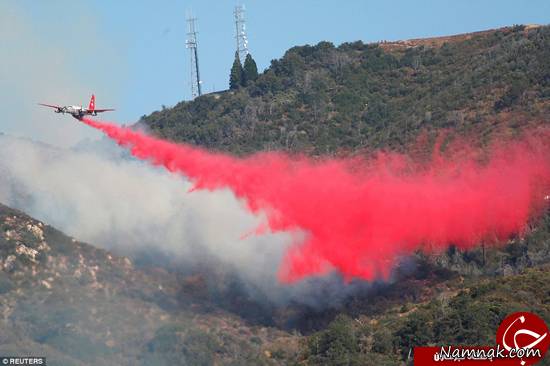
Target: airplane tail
(91, 107)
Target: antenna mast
(240, 28)
(191, 44)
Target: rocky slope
(79, 305)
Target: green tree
(236, 76)
(383, 342)
(336, 345)
(250, 70)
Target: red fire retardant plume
(360, 215)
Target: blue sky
(132, 53)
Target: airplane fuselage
(76, 111)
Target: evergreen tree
(250, 70)
(236, 76)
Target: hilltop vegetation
(320, 99)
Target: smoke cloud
(360, 216)
(98, 194)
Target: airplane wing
(50, 105)
(103, 110)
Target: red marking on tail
(91, 107)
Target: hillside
(78, 305)
(322, 99)
(467, 314)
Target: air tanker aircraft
(76, 111)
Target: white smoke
(121, 204)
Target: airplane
(78, 112)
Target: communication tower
(191, 44)
(240, 28)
